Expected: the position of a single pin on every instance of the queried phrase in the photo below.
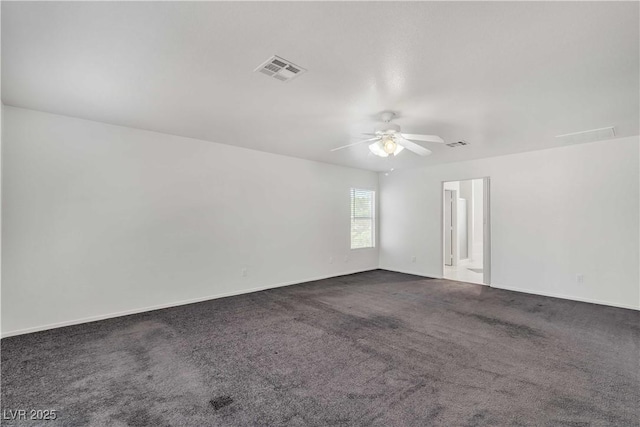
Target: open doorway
(465, 231)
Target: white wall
(100, 220)
(554, 214)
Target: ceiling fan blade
(425, 138)
(412, 146)
(355, 143)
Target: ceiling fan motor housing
(387, 128)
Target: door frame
(486, 232)
(454, 234)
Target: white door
(448, 227)
(463, 239)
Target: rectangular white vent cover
(457, 144)
(588, 135)
(280, 68)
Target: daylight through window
(362, 218)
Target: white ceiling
(504, 76)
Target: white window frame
(352, 193)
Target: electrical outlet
(346, 258)
(413, 258)
(580, 278)
(330, 260)
(244, 272)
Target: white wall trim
(283, 284)
(567, 297)
(433, 277)
(172, 304)
(413, 273)
(525, 291)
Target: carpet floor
(369, 349)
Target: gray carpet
(376, 348)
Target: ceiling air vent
(457, 144)
(588, 135)
(280, 69)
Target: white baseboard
(567, 297)
(527, 291)
(413, 273)
(171, 304)
(432, 276)
(279, 285)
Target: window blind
(362, 218)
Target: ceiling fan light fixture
(384, 148)
(389, 140)
(389, 145)
(376, 148)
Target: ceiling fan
(389, 140)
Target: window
(362, 218)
